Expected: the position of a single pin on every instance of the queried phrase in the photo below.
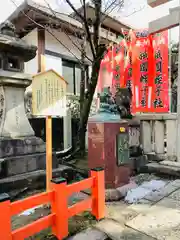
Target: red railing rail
(60, 212)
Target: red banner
(105, 72)
(139, 62)
(118, 65)
(160, 97)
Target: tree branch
(98, 6)
(75, 10)
(113, 4)
(85, 23)
(135, 11)
(76, 45)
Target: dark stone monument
(20, 150)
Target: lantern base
(23, 155)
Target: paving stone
(161, 222)
(120, 212)
(176, 183)
(119, 232)
(89, 234)
(175, 195)
(161, 193)
(169, 203)
(142, 206)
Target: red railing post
(60, 208)
(98, 193)
(5, 217)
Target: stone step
(116, 231)
(89, 234)
(35, 179)
(165, 167)
(170, 163)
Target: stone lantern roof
(10, 43)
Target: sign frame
(49, 91)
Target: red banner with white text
(139, 62)
(160, 97)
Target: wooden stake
(48, 152)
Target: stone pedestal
(104, 151)
(20, 150)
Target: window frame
(74, 64)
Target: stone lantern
(20, 150)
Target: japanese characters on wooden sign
(49, 94)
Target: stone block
(120, 212)
(176, 183)
(142, 206)
(112, 195)
(16, 147)
(23, 164)
(175, 195)
(119, 232)
(159, 168)
(89, 234)
(161, 193)
(169, 203)
(124, 189)
(35, 179)
(160, 223)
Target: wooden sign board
(49, 94)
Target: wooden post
(41, 68)
(60, 208)
(98, 193)
(41, 49)
(48, 152)
(5, 219)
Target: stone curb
(119, 193)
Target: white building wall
(69, 49)
(53, 45)
(31, 67)
(55, 63)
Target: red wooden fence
(60, 212)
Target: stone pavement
(156, 216)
